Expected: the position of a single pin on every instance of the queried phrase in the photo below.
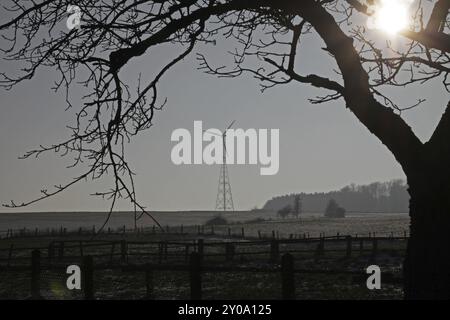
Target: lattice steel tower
(224, 200)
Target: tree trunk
(427, 263)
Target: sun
(391, 16)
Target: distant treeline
(391, 196)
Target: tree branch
(390, 128)
(120, 57)
(432, 36)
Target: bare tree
(268, 34)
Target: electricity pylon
(224, 200)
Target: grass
(115, 284)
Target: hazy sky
(322, 147)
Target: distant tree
(391, 196)
(333, 210)
(216, 221)
(398, 195)
(284, 212)
(297, 206)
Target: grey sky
(322, 147)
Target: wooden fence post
(61, 250)
(195, 276)
(50, 252)
(149, 283)
(88, 277)
(166, 249)
(229, 251)
(349, 247)
(11, 248)
(35, 274)
(274, 250)
(186, 252)
(287, 277)
(123, 250)
(200, 247)
(321, 247)
(361, 246)
(81, 248)
(160, 251)
(111, 255)
(374, 248)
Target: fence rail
(195, 268)
(196, 258)
(123, 250)
(228, 231)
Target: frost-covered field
(314, 225)
(115, 284)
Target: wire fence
(270, 268)
(226, 231)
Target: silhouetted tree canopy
(377, 197)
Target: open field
(249, 272)
(315, 225)
(312, 224)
